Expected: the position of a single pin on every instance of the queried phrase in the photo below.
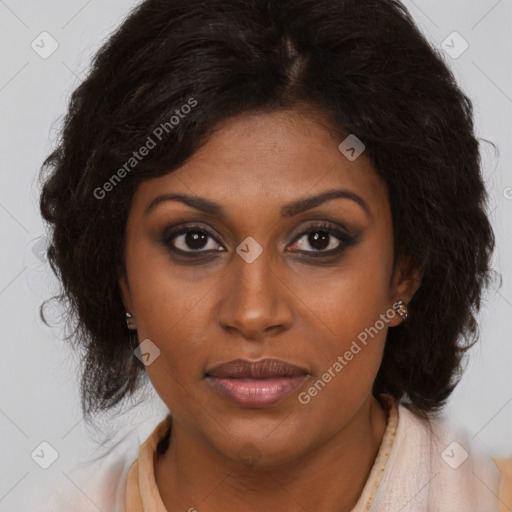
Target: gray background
(38, 373)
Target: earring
(401, 308)
(130, 322)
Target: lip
(256, 384)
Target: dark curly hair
(361, 65)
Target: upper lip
(262, 369)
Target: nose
(256, 302)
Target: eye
(192, 239)
(324, 239)
(320, 240)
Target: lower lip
(256, 392)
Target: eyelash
(345, 240)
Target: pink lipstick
(256, 383)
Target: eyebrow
(288, 210)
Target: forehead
(269, 158)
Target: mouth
(256, 384)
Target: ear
(126, 296)
(405, 282)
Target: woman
(275, 211)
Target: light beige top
(142, 494)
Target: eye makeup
(196, 241)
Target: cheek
(350, 314)
(175, 323)
(350, 298)
(347, 358)
(171, 313)
(166, 296)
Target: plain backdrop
(39, 399)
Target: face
(251, 267)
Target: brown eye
(318, 240)
(192, 240)
(323, 239)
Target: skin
(304, 309)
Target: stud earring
(130, 322)
(401, 308)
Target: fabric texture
(142, 493)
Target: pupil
(196, 239)
(319, 240)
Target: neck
(329, 477)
